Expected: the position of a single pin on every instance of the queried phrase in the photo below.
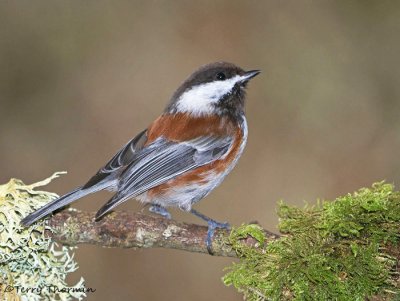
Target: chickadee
(183, 155)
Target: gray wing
(122, 158)
(163, 160)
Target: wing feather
(122, 158)
(163, 160)
(169, 160)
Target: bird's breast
(198, 182)
(184, 127)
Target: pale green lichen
(31, 266)
(345, 249)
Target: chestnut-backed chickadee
(183, 155)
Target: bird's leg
(212, 225)
(158, 209)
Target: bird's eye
(221, 76)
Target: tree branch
(123, 229)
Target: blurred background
(79, 78)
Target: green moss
(29, 262)
(335, 250)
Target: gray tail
(62, 202)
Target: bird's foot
(157, 209)
(212, 225)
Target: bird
(181, 156)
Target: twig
(123, 229)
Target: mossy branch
(346, 249)
(123, 229)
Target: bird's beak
(248, 75)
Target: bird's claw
(212, 225)
(157, 209)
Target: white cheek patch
(200, 99)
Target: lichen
(32, 267)
(335, 250)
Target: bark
(123, 229)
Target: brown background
(79, 78)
